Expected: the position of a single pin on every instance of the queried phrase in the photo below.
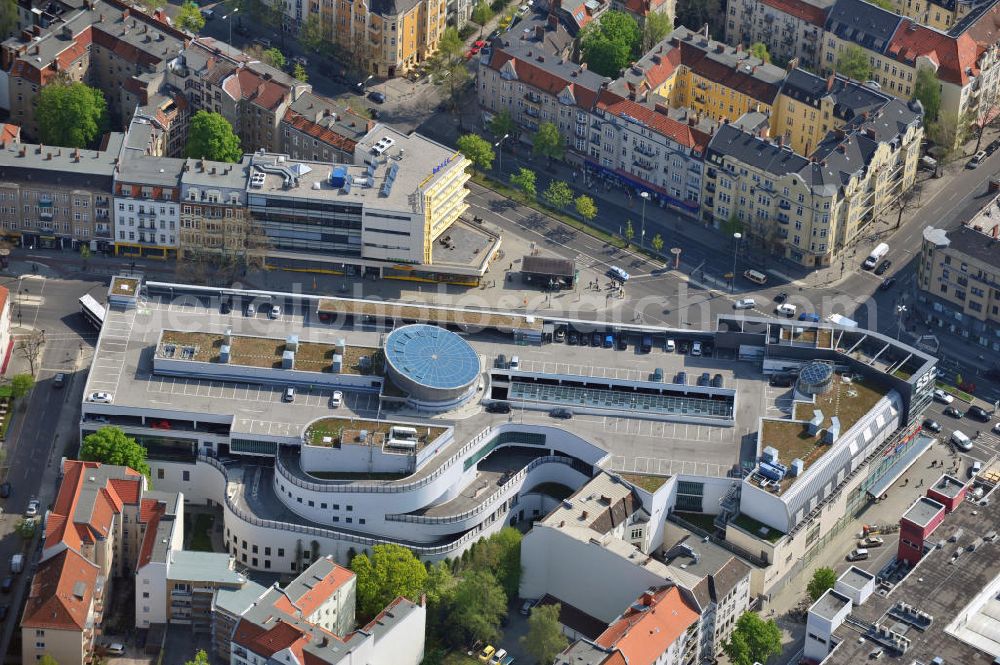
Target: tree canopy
(545, 639)
(502, 124)
(696, 13)
(200, 658)
(927, 90)
(585, 207)
(392, 570)
(274, 57)
(478, 150)
(655, 27)
(823, 578)
(311, 33)
(110, 445)
(753, 640)
(478, 605)
(46, 659)
(189, 18)
(759, 50)
(299, 72)
(558, 194)
(21, 385)
(8, 17)
(524, 180)
(610, 43)
(71, 114)
(482, 12)
(210, 136)
(853, 63)
(548, 142)
(447, 68)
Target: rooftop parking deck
(443, 316)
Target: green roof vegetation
(646, 481)
(753, 527)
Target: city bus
(92, 311)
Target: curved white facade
(273, 544)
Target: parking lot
(984, 448)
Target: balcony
(595, 139)
(784, 205)
(533, 112)
(645, 150)
(581, 132)
(147, 214)
(533, 98)
(710, 187)
(644, 165)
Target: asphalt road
(39, 433)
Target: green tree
(8, 17)
(753, 640)
(585, 207)
(71, 114)
(657, 243)
(299, 72)
(478, 150)
(311, 33)
(696, 13)
(21, 385)
(110, 445)
(733, 224)
(948, 134)
(629, 231)
(610, 43)
(391, 571)
(927, 90)
(478, 606)
(439, 584)
(884, 4)
(524, 180)
(482, 12)
(500, 555)
(853, 63)
(46, 659)
(200, 658)
(759, 50)
(823, 578)
(275, 58)
(210, 136)
(545, 638)
(503, 124)
(25, 527)
(655, 27)
(548, 142)
(189, 18)
(558, 194)
(447, 68)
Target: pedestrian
(921, 484)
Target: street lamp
(900, 311)
(228, 17)
(500, 153)
(361, 86)
(645, 197)
(736, 246)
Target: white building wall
(151, 595)
(581, 573)
(403, 644)
(354, 459)
(388, 235)
(336, 614)
(819, 630)
(160, 229)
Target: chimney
(829, 82)
(781, 140)
(691, 121)
(76, 155)
(539, 32)
(125, 14)
(24, 151)
(720, 48)
(583, 66)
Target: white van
(961, 441)
(755, 276)
(880, 251)
(785, 309)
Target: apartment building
(958, 278)
(659, 628)
(937, 14)
(389, 39)
(791, 29)
(251, 95)
(104, 43)
(312, 621)
(57, 197)
(213, 218)
(811, 209)
(147, 206)
(318, 129)
(809, 107)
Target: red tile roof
(955, 56)
(678, 132)
(799, 9)
(530, 74)
(150, 512)
(647, 629)
(268, 641)
(108, 502)
(317, 131)
(252, 87)
(9, 133)
(61, 593)
(321, 590)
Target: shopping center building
(351, 422)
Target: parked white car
(100, 397)
(32, 509)
(943, 397)
(745, 303)
(336, 399)
(785, 309)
